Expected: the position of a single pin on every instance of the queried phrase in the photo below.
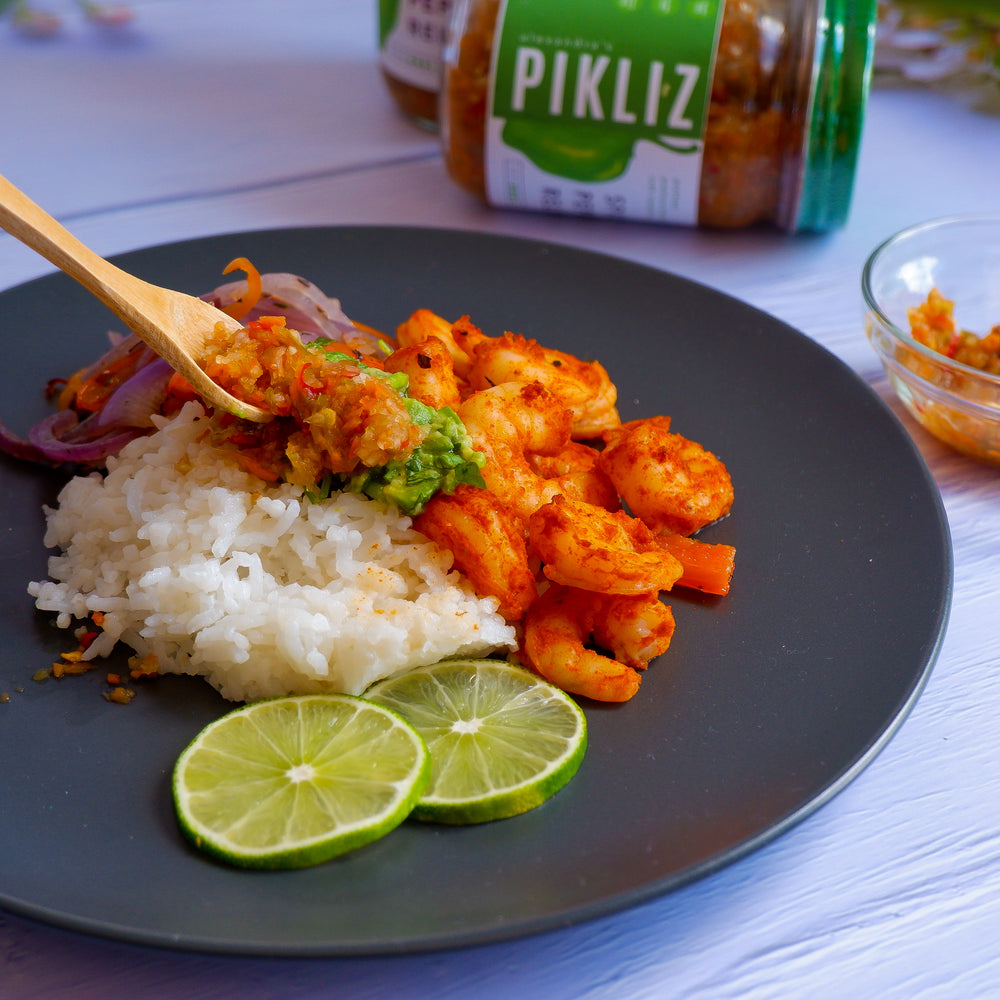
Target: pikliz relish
(412, 35)
(721, 113)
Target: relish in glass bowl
(916, 283)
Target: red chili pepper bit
(87, 638)
(267, 324)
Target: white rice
(248, 584)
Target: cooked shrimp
(431, 372)
(660, 423)
(635, 627)
(575, 456)
(592, 487)
(506, 423)
(556, 628)
(584, 387)
(591, 548)
(668, 481)
(460, 337)
(575, 474)
(527, 415)
(560, 623)
(420, 325)
(488, 543)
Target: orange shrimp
(574, 457)
(506, 423)
(634, 627)
(559, 624)
(460, 337)
(584, 387)
(430, 370)
(574, 473)
(591, 548)
(590, 487)
(488, 542)
(669, 482)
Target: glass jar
(720, 113)
(412, 36)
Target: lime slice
(501, 739)
(295, 781)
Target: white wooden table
(226, 115)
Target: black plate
(767, 704)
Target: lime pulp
(501, 739)
(296, 781)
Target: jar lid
(842, 66)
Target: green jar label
(598, 107)
(412, 34)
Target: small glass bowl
(960, 257)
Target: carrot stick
(241, 306)
(707, 566)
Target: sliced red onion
(305, 306)
(134, 402)
(61, 437)
(13, 444)
(120, 348)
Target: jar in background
(411, 41)
(721, 113)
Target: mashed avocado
(443, 461)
